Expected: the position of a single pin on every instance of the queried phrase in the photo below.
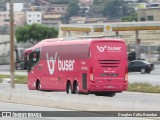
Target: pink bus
(97, 66)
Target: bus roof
(64, 41)
(77, 41)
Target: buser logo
(63, 65)
(113, 48)
(101, 49)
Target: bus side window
(36, 55)
(34, 58)
(26, 61)
(30, 61)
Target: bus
(90, 66)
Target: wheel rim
(143, 71)
(39, 87)
(76, 89)
(69, 88)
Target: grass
(143, 87)
(18, 79)
(133, 87)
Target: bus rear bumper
(107, 88)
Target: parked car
(19, 65)
(140, 66)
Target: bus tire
(76, 88)
(69, 88)
(109, 94)
(143, 71)
(38, 85)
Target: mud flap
(84, 81)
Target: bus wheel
(76, 89)
(143, 71)
(38, 85)
(109, 94)
(69, 88)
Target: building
(16, 6)
(53, 16)
(81, 20)
(51, 19)
(33, 17)
(19, 18)
(157, 4)
(149, 14)
(58, 8)
(86, 2)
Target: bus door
(33, 68)
(109, 62)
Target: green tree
(34, 33)
(98, 7)
(115, 9)
(72, 9)
(130, 18)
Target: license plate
(110, 86)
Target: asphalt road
(61, 113)
(152, 78)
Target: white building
(34, 17)
(16, 6)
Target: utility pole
(12, 66)
(138, 43)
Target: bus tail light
(91, 77)
(126, 78)
(91, 74)
(126, 74)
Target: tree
(115, 9)
(72, 9)
(130, 18)
(98, 7)
(34, 33)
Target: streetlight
(12, 68)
